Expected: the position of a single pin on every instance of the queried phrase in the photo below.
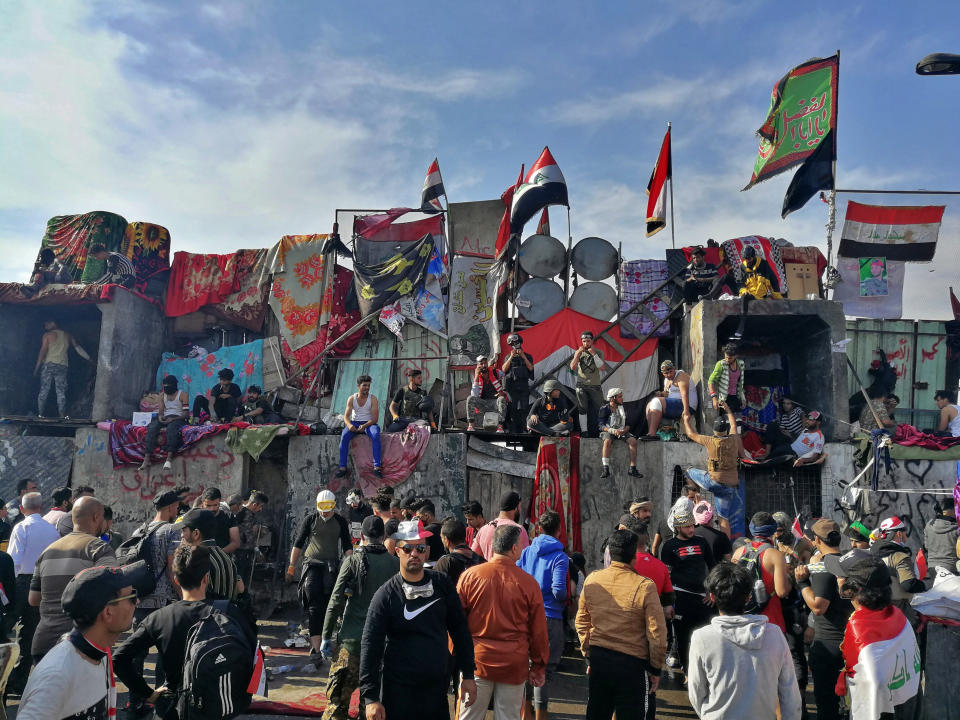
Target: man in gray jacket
(735, 646)
(940, 539)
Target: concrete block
(45, 460)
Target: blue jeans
(731, 502)
(373, 432)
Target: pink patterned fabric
(401, 452)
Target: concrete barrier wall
(130, 492)
(45, 460)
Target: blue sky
(235, 123)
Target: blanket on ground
(196, 376)
(70, 238)
(400, 451)
(126, 441)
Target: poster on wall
(860, 286)
(472, 310)
(873, 277)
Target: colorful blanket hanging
(196, 376)
(148, 247)
(302, 292)
(556, 486)
(197, 280)
(637, 278)
(70, 238)
(248, 305)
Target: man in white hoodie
(735, 646)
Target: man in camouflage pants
(361, 575)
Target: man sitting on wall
(171, 416)
(551, 414)
(486, 395)
(226, 396)
(613, 426)
(699, 277)
(411, 403)
(119, 268)
(257, 409)
(679, 396)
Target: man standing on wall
(586, 364)
(517, 373)
(52, 363)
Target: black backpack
(138, 548)
(750, 561)
(218, 666)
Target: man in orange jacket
(505, 613)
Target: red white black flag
(432, 190)
(657, 189)
(907, 233)
(543, 227)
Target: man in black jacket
(403, 655)
(551, 414)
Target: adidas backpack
(751, 562)
(218, 667)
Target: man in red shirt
(505, 613)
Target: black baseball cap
(168, 498)
(510, 500)
(372, 526)
(202, 520)
(92, 589)
(860, 565)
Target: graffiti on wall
(45, 460)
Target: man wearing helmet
(613, 426)
(486, 395)
(411, 403)
(517, 370)
(327, 538)
(551, 414)
(722, 477)
(892, 549)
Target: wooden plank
(502, 453)
(480, 461)
(273, 375)
(377, 364)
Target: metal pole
(673, 236)
(566, 275)
(900, 192)
(832, 219)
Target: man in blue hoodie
(546, 560)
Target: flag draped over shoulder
(432, 190)
(399, 275)
(503, 234)
(907, 233)
(803, 109)
(657, 188)
(544, 185)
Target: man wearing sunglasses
(75, 679)
(403, 654)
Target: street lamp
(939, 64)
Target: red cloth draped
(126, 441)
(556, 486)
(197, 280)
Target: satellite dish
(543, 256)
(539, 299)
(594, 258)
(596, 299)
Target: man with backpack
(767, 568)
(361, 575)
(169, 629)
(154, 542)
(459, 556)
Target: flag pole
(673, 236)
(832, 203)
(566, 275)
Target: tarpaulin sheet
(70, 238)
(196, 376)
(472, 330)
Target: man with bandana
(361, 575)
(403, 673)
(586, 364)
(173, 413)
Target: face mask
(412, 592)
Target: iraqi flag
(907, 233)
(557, 338)
(504, 234)
(544, 185)
(432, 190)
(881, 662)
(543, 227)
(657, 189)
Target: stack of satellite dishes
(544, 258)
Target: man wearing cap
(411, 403)
(820, 592)
(623, 634)
(881, 658)
(552, 413)
(677, 399)
(164, 539)
(509, 515)
(486, 395)
(613, 426)
(897, 557)
(505, 613)
(403, 670)
(722, 476)
(586, 364)
(58, 564)
(689, 559)
(197, 528)
(699, 277)
(326, 535)
(75, 679)
(517, 370)
(361, 575)
(940, 539)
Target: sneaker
(168, 465)
(341, 473)
(471, 428)
(500, 429)
(605, 473)
(633, 472)
(145, 465)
